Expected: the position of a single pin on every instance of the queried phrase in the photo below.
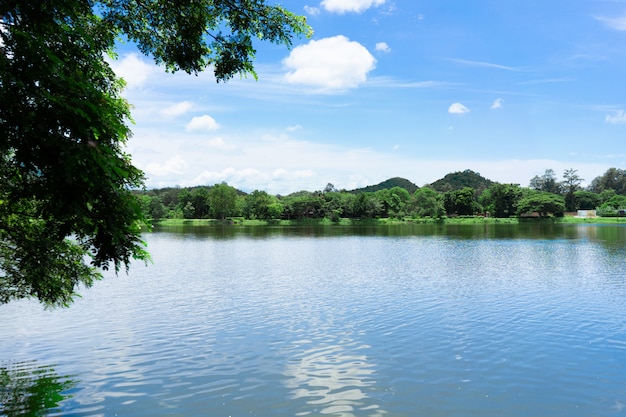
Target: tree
(547, 182)
(261, 205)
(338, 205)
(460, 202)
(156, 208)
(571, 184)
(427, 202)
(613, 179)
(330, 188)
(65, 180)
(367, 205)
(501, 199)
(542, 203)
(586, 200)
(200, 200)
(223, 201)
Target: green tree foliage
(200, 200)
(460, 202)
(427, 202)
(547, 182)
(586, 200)
(569, 186)
(613, 179)
(501, 200)
(223, 201)
(156, 208)
(303, 205)
(394, 201)
(261, 205)
(194, 35)
(338, 205)
(65, 179)
(366, 205)
(460, 180)
(387, 185)
(542, 203)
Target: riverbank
(388, 221)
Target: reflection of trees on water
(334, 379)
(29, 389)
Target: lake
(412, 320)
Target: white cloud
(497, 104)
(383, 47)
(617, 23)
(617, 118)
(313, 11)
(293, 128)
(202, 123)
(175, 165)
(457, 108)
(346, 6)
(331, 64)
(133, 70)
(177, 109)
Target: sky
(413, 88)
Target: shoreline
(386, 221)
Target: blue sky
(415, 89)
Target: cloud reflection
(334, 379)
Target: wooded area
(464, 193)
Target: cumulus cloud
(133, 70)
(617, 23)
(175, 165)
(346, 6)
(497, 103)
(457, 108)
(202, 123)
(383, 47)
(177, 109)
(334, 63)
(617, 118)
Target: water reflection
(27, 388)
(334, 379)
(524, 230)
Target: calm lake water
(489, 320)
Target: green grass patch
(387, 221)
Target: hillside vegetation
(464, 193)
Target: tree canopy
(65, 187)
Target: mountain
(459, 180)
(388, 184)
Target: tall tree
(547, 182)
(613, 179)
(571, 184)
(64, 178)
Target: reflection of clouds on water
(334, 379)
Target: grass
(386, 221)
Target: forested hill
(460, 180)
(388, 184)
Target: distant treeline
(463, 193)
